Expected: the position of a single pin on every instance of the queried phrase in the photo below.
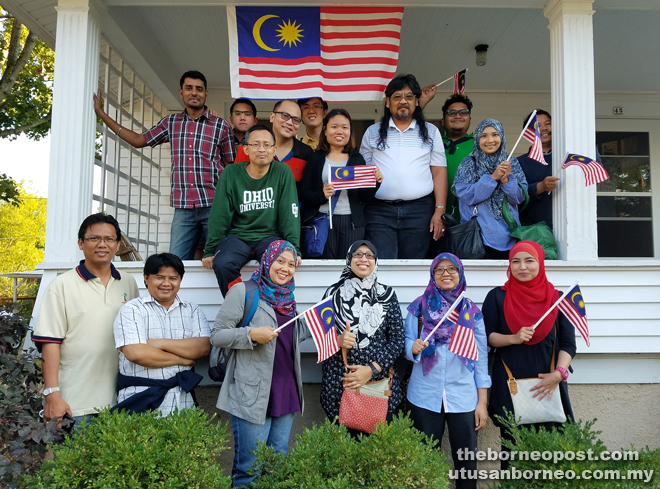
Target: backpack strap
(251, 302)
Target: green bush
(326, 457)
(575, 437)
(120, 450)
(23, 437)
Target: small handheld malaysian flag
(320, 320)
(462, 341)
(593, 171)
(450, 315)
(572, 305)
(346, 177)
(532, 134)
(459, 83)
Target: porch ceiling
(170, 37)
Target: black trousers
(232, 254)
(340, 238)
(493, 254)
(461, 436)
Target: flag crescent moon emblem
(257, 34)
(338, 176)
(325, 309)
(573, 296)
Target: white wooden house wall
(623, 296)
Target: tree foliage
(26, 81)
(9, 190)
(22, 237)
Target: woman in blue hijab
(450, 380)
(490, 184)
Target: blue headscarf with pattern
(279, 297)
(433, 305)
(478, 164)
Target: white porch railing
(127, 180)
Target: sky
(27, 160)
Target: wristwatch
(49, 390)
(374, 370)
(563, 372)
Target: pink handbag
(363, 408)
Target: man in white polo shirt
(406, 213)
(74, 325)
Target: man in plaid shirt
(202, 144)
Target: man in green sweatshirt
(256, 203)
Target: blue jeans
(274, 432)
(400, 229)
(188, 226)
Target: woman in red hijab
(509, 313)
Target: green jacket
(253, 210)
(461, 150)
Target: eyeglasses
(410, 97)
(359, 255)
(246, 113)
(288, 117)
(462, 112)
(97, 239)
(449, 270)
(260, 145)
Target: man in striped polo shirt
(202, 144)
(406, 214)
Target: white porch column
(73, 127)
(573, 124)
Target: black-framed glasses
(260, 145)
(449, 270)
(97, 239)
(246, 113)
(461, 112)
(361, 254)
(288, 117)
(397, 97)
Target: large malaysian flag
(340, 54)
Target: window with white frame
(625, 223)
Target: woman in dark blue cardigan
(336, 148)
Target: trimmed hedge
(395, 456)
(123, 451)
(577, 437)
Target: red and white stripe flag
(321, 323)
(459, 83)
(593, 171)
(345, 177)
(340, 54)
(463, 342)
(532, 134)
(572, 305)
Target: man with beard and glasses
(202, 144)
(406, 214)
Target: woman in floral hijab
(376, 336)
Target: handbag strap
(552, 361)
